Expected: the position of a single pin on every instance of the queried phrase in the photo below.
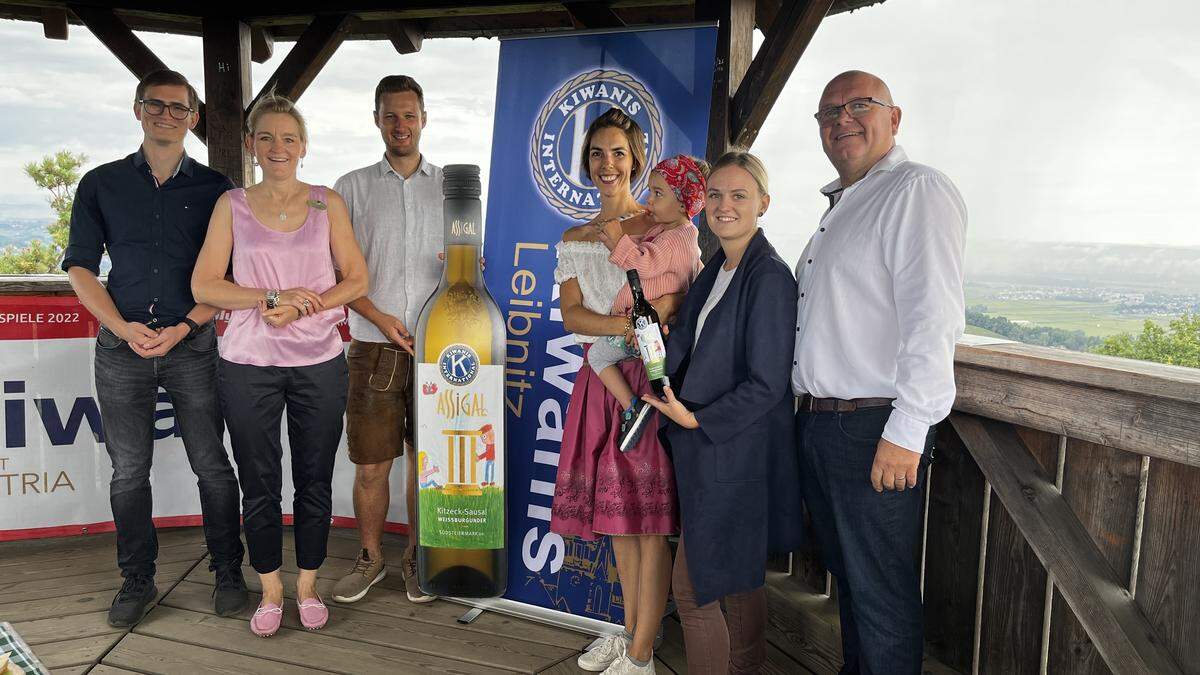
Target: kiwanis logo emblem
(558, 134)
(458, 364)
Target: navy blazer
(738, 474)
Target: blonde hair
(747, 161)
(272, 103)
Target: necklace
(283, 209)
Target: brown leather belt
(810, 404)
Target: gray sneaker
(604, 654)
(626, 666)
(365, 574)
(408, 570)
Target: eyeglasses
(856, 108)
(156, 107)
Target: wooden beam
(406, 36)
(310, 54)
(227, 84)
(1109, 614)
(129, 49)
(592, 14)
(765, 12)
(735, 44)
(262, 44)
(791, 31)
(54, 23)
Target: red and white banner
(54, 467)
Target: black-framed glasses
(156, 107)
(856, 107)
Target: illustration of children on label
(427, 470)
(488, 456)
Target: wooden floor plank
(65, 653)
(64, 569)
(38, 551)
(67, 605)
(94, 582)
(302, 648)
(446, 639)
(59, 628)
(109, 670)
(75, 670)
(392, 602)
(142, 653)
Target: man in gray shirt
(396, 209)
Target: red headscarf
(686, 180)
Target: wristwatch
(272, 298)
(192, 327)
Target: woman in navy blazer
(729, 357)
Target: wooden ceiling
(398, 21)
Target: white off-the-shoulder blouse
(599, 279)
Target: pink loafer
(266, 619)
(314, 614)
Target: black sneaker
(132, 601)
(229, 597)
(633, 422)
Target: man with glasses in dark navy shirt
(150, 211)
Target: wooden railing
(1062, 523)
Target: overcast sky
(1067, 120)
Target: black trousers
(253, 399)
(127, 390)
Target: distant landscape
(1084, 292)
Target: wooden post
(227, 86)
(735, 44)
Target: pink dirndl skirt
(599, 489)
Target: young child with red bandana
(667, 259)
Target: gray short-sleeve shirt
(398, 224)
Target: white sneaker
(604, 654)
(624, 666)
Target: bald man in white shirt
(880, 308)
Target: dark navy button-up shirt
(153, 233)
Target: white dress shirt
(880, 301)
(398, 224)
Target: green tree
(59, 174)
(1177, 344)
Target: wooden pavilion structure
(1062, 515)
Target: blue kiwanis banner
(549, 90)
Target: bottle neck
(462, 264)
(463, 239)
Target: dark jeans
(254, 399)
(127, 391)
(869, 540)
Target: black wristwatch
(192, 327)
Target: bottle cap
(635, 281)
(461, 181)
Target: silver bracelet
(272, 298)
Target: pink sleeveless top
(269, 259)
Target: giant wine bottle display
(460, 413)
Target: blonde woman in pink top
(281, 349)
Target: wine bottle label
(460, 451)
(654, 352)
